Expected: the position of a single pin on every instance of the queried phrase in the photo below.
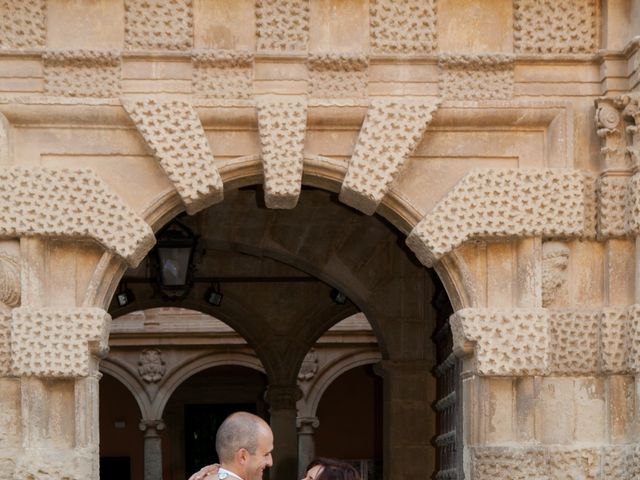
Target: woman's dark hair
(334, 469)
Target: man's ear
(241, 456)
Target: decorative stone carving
(282, 126)
(631, 111)
(405, 27)
(476, 77)
(282, 25)
(174, 134)
(151, 366)
(223, 74)
(505, 203)
(508, 342)
(615, 339)
(51, 342)
(9, 280)
(158, 24)
(574, 341)
(151, 425)
(338, 75)
(70, 203)
(5, 343)
(547, 26)
(490, 463)
(610, 128)
(621, 462)
(390, 133)
(22, 24)
(555, 259)
(309, 366)
(82, 73)
(611, 194)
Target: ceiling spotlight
(125, 296)
(213, 296)
(338, 297)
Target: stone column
(152, 448)
(407, 415)
(306, 442)
(282, 401)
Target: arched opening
(278, 273)
(121, 441)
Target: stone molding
(408, 27)
(621, 462)
(158, 24)
(282, 25)
(282, 126)
(539, 341)
(495, 203)
(22, 24)
(476, 77)
(226, 74)
(48, 202)
(50, 342)
(82, 73)
(391, 131)
(174, 133)
(338, 75)
(551, 27)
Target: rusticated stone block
(615, 339)
(514, 464)
(57, 464)
(56, 342)
(223, 74)
(547, 26)
(22, 24)
(282, 125)
(507, 342)
(70, 203)
(338, 75)
(476, 77)
(574, 341)
(282, 25)
(158, 24)
(504, 203)
(405, 27)
(174, 134)
(82, 73)
(611, 194)
(390, 133)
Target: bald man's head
(239, 430)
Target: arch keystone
(390, 133)
(282, 124)
(175, 136)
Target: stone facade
(499, 140)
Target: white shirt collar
(224, 473)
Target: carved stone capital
(151, 427)
(283, 397)
(610, 128)
(307, 425)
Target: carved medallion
(309, 366)
(151, 367)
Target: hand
(205, 472)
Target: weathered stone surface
(403, 27)
(334, 75)
(225, 74)
(282, 25)
(503, 203)
(82, 73)
(158, 24)
(282, 127)
(22, 24)
(555, 27)
(70, 203)
(57, 342)
(476, 77)
(175, 135)
(390, 133)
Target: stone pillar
(152, 448)
(306, 442)
(407, 415)
(282, 401)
